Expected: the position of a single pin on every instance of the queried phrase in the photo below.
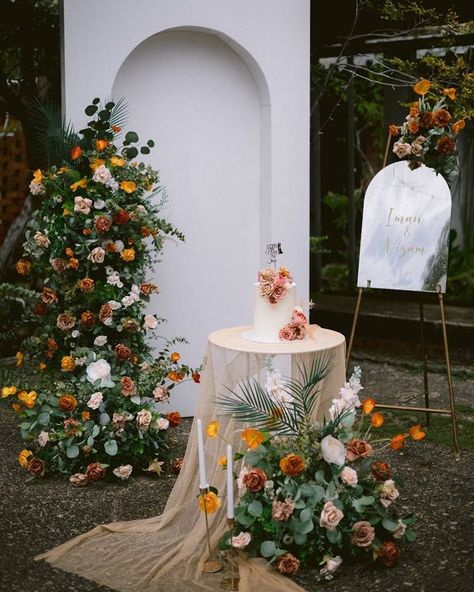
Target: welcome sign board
(405, 230)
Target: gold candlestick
(211, 565)
(231, 583)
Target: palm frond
(119, 114)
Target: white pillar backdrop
(222, 86)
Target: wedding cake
(276, 316)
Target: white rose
(36, 188)
(100, 340)
(276, 388)
(349, 476)
(114, 280)
(101, 174)
(41, 240)
(330, 516)
(43, 438)
(333, 451)
(242, 540)
(99, 204)
(389, 493)
(150, 322)
(332, 564)
(119, 246)
(99, 370)
(114, 305)
(143, 420)
(141, 208)
(127, 301)
(80, 361)
(123, 471)
(97, 255)
(82, 204)
(401, 528)
(95, 401)
(162, 424)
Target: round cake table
(233, 358)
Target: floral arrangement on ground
(92, 410)
(313, 494)
(429, 133)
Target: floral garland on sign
(313, 495)
(428, 135)
(93, 410)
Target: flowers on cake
(311, 494)
(296, 328)
(273, 284)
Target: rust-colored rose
(445, 145)
(121, 217)
(148, 289)
(122, 352)
(86, 285)
(362, 534)
(254, 480)
(389, 553)
(73, 263)
(59, 265)
(426, 119)
(65, 321)
(105, 313)
(381, 470)
(413, 126)
(103, 224)
(174, 418)
(129, 387)
(441, 117)
(358, 449)
(36, 467)
(49, 296)
(67, 403)
(292, 465)
(287, 564)
(87, 318)
(95, 471)
(40, 309)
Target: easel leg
(354, 325)
(450, 380)
(424, 359)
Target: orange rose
(175, 357)
(85, 415)
(69, 252)
(128, 186)
(377, 420)
(413, 127)
(86, 231)
(458, 126)
(416, 433)
(101, 145)
(254, 480)
(287, 564)
(87, 318)
(121, 217)
(73, 263)
(23, 266)
(36, 467)
(67, 403)
(450, 93)
(253, 438)
(357, 449)
(174, 418)
(23, 458)
(116, 129)
(86, 285)
(422, 87)
(414, 110)
(68, 364)
(49, 296)
(292, 465)
(148, 289)
(393, 130)
(122, 352)
(397, 442)
(103, 224)
(381, 470)
(76, 152)
(368, 406)
(445, 145)
(389, 553)
(128, 254)
(209, 502)
(441, 117)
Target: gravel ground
(38, 515)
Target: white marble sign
(405, 230)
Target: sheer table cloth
(168, 551)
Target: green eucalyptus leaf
(299, 538)
(268, 549)
(334, 536)
(306, 515)
(145, 150)
(111, 447)
(389, 525)
(131, 137)
(90, 110)
(72, 451)
(255, 508)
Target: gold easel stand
(427, 409)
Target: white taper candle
(230, 482)
(203, 484)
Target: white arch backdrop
(222, 86)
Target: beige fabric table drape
(167, 552)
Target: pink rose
(362, 534)
(330, 516)
(123, 472)
(401, 149)
(282, 510)
(241, 541)
(349, 476)
(82, 204)
(143, 420)
(161, 393)
(287, 333)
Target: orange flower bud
(377, 420)
(397, 442)
(368, 406)
(416, 433)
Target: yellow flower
(117, 161)
(42, 366)
(128, 186)
(253, 438)
(23, 457)
(81, 183)
(422, 87)
(28, 399)
(96, 163)
(223, 462)
(68, 364)
(19, 359)
(211, 501)
(450, 93)
(38, 177)
(212, 429)
(8, 390)
(66, 212)
(128, 254)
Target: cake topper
(273, 250)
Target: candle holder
(211, 565)
(231, 583)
